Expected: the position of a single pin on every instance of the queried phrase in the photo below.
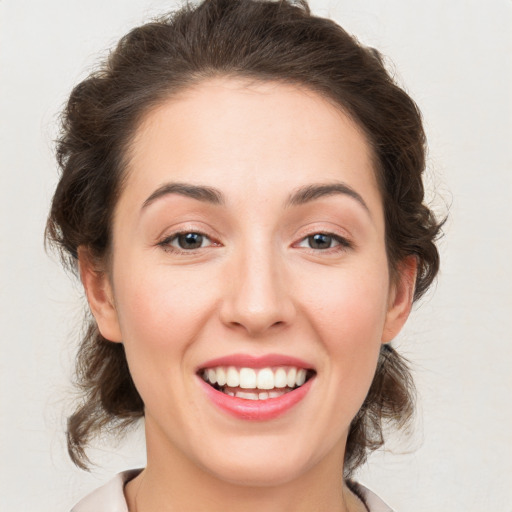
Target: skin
(256, 286)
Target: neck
(172, 482)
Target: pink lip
(245, 360)
(255, 410)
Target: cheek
(159, 306)
(161, 314)
(350, 303)
(348, 315)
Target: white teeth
(232, 378)
(257, 396)
(280, 379)
(247, 396)
(290, 378)
(212, 375)
(221, 376)
(247, 378)
(265, 379)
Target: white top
(110, 497)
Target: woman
(241, 194)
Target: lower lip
(256, 410)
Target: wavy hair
(256, 39)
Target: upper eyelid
(311, 229)
(342, 241)
(166, 243)
(171, 237)
(205, 233)
(171, 232)
(330, 231)
(174, 234)
(334, 236)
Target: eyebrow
(317, 190)
(199, 192)
(214, 196)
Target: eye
(185, 241)
(323, 241)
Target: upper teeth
(250, 378)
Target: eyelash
(342, 243)
(166, 242)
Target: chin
(261, 465)
(264, 473)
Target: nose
(258, 297)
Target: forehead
(250, 139)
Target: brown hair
(256, 39)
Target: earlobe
(99, 295)
(400, 298)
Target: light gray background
(454, 58)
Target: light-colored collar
(110, 497)
(371, 500)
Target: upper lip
(250, 361)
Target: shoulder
(370, 499)
(109, 497)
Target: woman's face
(248, 245)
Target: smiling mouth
(256, 383)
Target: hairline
(194, 80)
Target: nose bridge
(258, 297)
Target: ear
(401, 295)
(98, 290)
